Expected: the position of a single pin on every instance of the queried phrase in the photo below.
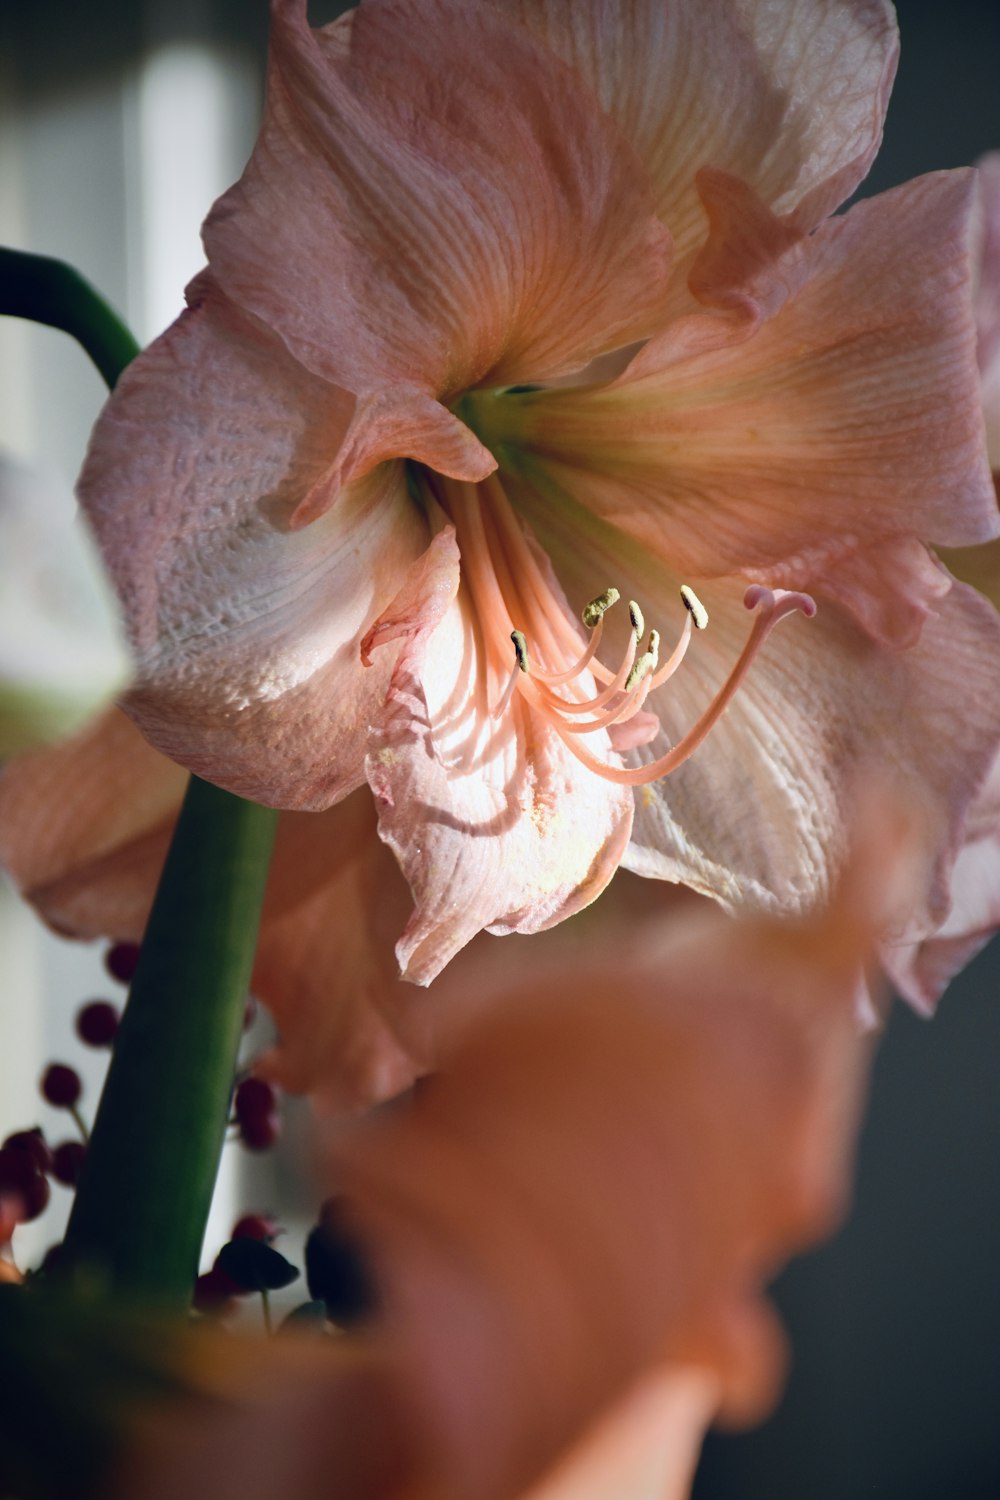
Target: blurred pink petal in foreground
(571, 1225)
(463, 356)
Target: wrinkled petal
(246, 631)
(493, 822)
(420, 219)
(600, 1176)
(820, 702)
(798, 450)
(988, 298)
(790, 96)
(62, 648)
(922, 970)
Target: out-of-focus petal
(62, 647)
(645, 1448)
(419, 219)
(797, 450)
(789, 96)
(493, 822)
(84, 828)
(601, 1175)
(246, 631)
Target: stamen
(520, 649)
(593, 611)
(773, 607)
(646, 665)
(635, 615)
(694, 606)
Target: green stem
(141, 1207)
(49, 291)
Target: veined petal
(790, 96)
(433, 218)
(757, 815)
(782, 449)
(988, 298)
(246, 631)
(494, 823)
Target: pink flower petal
(790, 97)
(819, 441)
(757, 815)
(988, 298)
(421, 218)
(493, 822)
(600, 1176)
(246, 631)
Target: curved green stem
(142, 1203)
(49, 291)
(153, 1155)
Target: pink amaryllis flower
(517, 305)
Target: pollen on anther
(699, 614)
(520, 649)
(593, 611)
(636, 617)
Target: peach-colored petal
(601, 1175)
(790, 96)
(822, 701)
(645, 1448)
(84, 828)
(843, 422)
(420, 218)
(246, 632)
(493, 822)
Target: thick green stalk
(141, 1207)
(49, 291)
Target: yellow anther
(635, 615)
(699, 613)
(644, 664)
(596, 608)
(520, 649)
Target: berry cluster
(246, 1264)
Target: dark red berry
(19, 1176)
(120, 961)
(67, 1162)
(61, 1085)
(254, 1227)
(259, 1132)
(34, 1142)
(254, 1097)
(214, 1292)
(97, 1023)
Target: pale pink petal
(988, 298)
(789, 96)
(758, 814)
(246, 631)
(494, 823)
(433, 202)
(922, 970)
(601, 1175)
(820, 441)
